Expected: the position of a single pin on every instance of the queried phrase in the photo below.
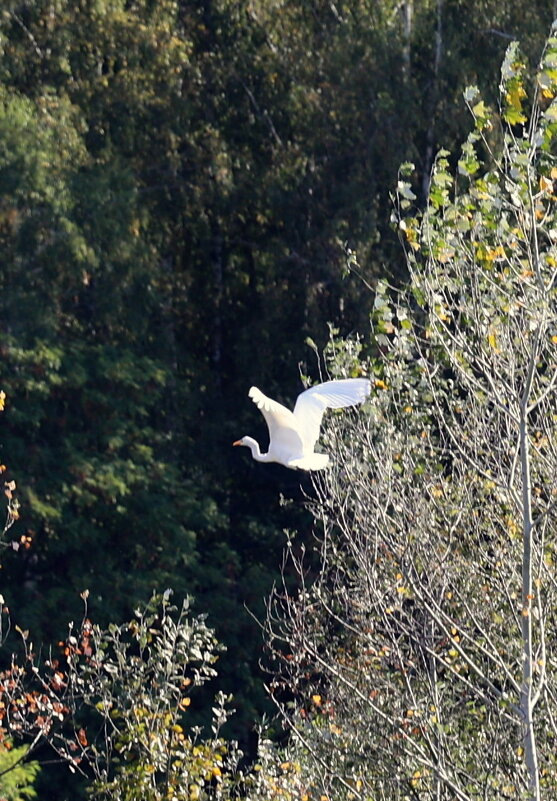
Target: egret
(293, 435)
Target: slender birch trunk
(526, 694)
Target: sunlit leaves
(482, 116)
(441, 180)
(469, 163)
(512, 85)
(547, 74)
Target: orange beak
(238, 442)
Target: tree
(422, 652)
(136, 680)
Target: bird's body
(293, 435)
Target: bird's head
(250, 443)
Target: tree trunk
(526, 701)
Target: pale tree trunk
(526, 694)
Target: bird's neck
(253, 445)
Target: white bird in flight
(293, 435)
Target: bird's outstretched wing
(283, 426)
(331, 395)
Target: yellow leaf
(515, 95)
(316, 699)
(416, 776)
(445, 254)
(492, 339)
(495, 254)
(546, 184)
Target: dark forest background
(179, 182)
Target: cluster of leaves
(115, 705)
(137, 681)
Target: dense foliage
(177, 184)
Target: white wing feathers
(270, 409)
(282, 425)
(331, 395)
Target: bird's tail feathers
(315, 461)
